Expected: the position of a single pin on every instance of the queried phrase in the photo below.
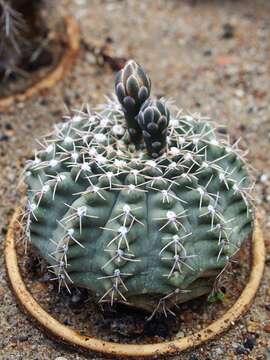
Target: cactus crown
(132, 88)
(137, 205)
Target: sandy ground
(213, 57)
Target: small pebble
(20, 338)
(8, 126)
(4, 137)
(228, 31)
(249, 343)
(193, 357)
(240, 350)
(239, 93)
(264, 178)
(222, 130)
(207, 52)
(219, 351)
(109, 40)
(180, 334)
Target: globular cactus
(22, 31)
(150, 224)
(12, 31)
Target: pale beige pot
(166, 348)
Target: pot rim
(57, 73)
(89, 343)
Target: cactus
(149, 217)
(12, 37)
(23, 37)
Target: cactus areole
(137, 203)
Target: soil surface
(212, 57)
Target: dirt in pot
(32, 40)
(127, 325)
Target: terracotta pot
(62, 68)
(166, 348)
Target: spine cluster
(12, 37)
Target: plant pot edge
(57, 73)
(87, 343)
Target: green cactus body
(13, 29)
(149, 232)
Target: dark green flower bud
(132, 88)
(153, 120)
